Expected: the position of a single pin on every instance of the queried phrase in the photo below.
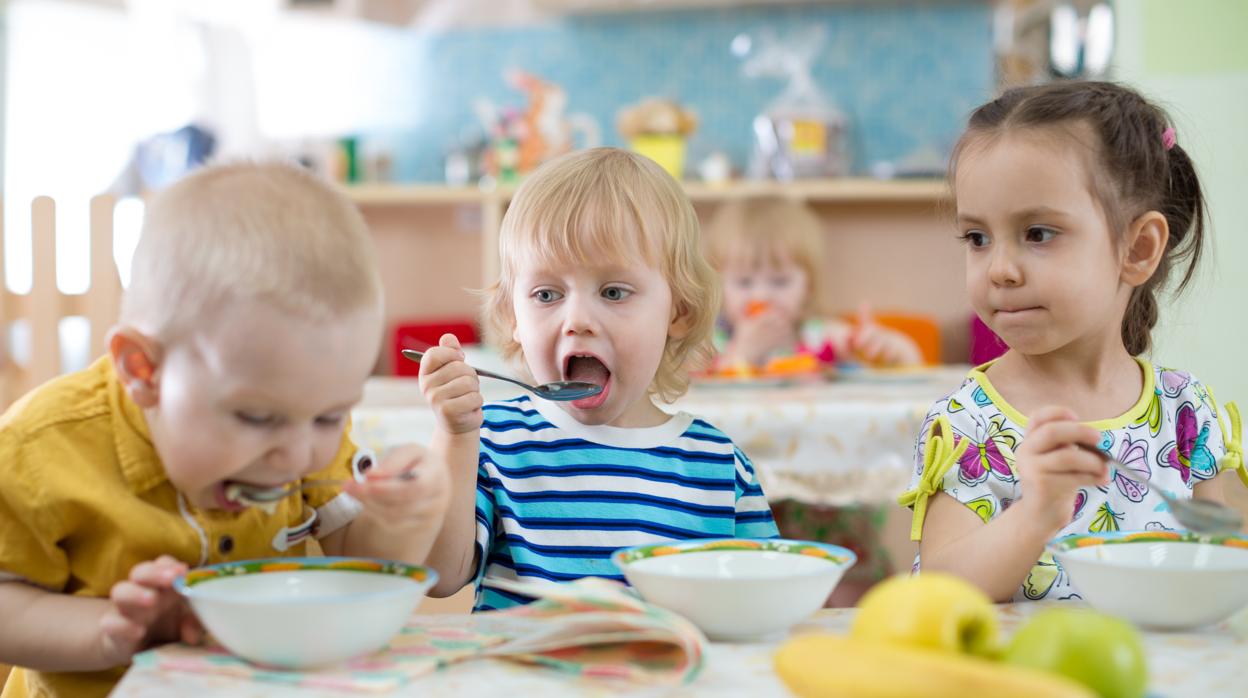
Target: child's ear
(682, 321)
(136, 359)
(1145, 246)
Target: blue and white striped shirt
(556, 497)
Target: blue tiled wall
(905, 73)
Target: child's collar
(140, 464)
(979, 374)
(619, 437)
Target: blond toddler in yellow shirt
(253, 317)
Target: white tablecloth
(844, 441)
(1204, 664)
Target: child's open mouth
(235, 495)
(223, 500)
(590, 369)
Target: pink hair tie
(1167, 137)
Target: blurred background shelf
(841, 190)
(415, 194)
(595, 6)
(438, 244)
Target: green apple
(1101, 652)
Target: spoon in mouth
(557, 390)
(265, 496)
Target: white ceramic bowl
(734, 588)
(1163, 580)
(300, 613)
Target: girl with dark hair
(1077, 204)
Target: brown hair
(1137, 172)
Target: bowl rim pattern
(835, 555)
(1077, 541)
(192, 584)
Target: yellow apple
(930, 610)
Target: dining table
(1204, 663)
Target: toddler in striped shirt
(602, 280)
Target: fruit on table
(828, 666)
(756, 308)
(931, 610)
(1099, 651)
(740, 369)
(791, 365)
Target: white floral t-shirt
(1171, 436)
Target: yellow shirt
(84, 498)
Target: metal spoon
(558, 390)
(260, 495)
(1196, 515)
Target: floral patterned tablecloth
(845, 441)
(1205, 663)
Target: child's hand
(756, 337)
(451, 387)
(880, 345)
(1052, 469)
(146, 612)
(418, 503)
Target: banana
(830, 666)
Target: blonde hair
(265, 232)
(769, 231)
(607, 203)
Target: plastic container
(420, 335)
(668, 150)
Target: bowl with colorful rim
(1165, 580)
(736, 589)
(305, 612)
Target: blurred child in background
(769, 253)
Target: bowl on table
(299, 613)
(736, 588)
(1166, 580)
